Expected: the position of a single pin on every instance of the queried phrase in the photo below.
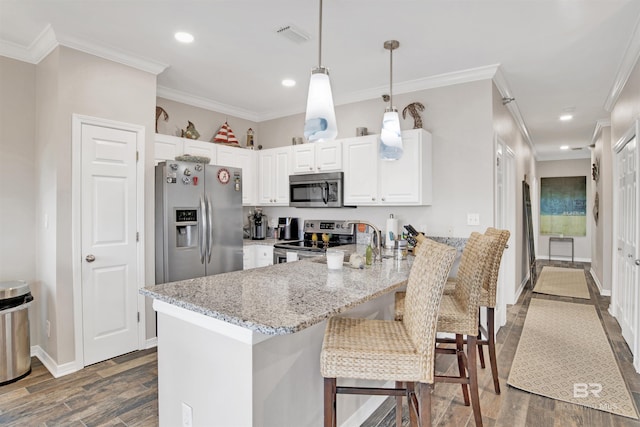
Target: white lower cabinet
(264, 255)
(370, 181)
(256, 256)
(274, 168)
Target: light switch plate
(187, 415)
(473, 219)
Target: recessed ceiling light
(564, 147)
(183, 37)
(566, 117)
(288, 83)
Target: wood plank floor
(515, 407)
(123, 391)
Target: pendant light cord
(391, 79)
(320, 37)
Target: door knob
(90, 258)
(638, 262)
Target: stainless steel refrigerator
(198, 220)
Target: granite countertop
(283, 298)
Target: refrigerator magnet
(223, 176)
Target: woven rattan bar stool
(459, 315)
(388, 350)
(487, 299)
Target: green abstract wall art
(563, 206)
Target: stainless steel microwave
(316, 190)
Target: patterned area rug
(564, 354)
(564, 282)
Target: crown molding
(503, 87)
(600, 124)
(629, 60)
(114, 54)
(41, 46)
(201, 102)
(46, 41)
(432, 82)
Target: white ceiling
(553, 55)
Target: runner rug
(564, 282)
(564, 354)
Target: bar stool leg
(473, 379)
(425, 404)
(461, 368)
(492, 348)
(399, 384)
(480, 349)
(330, 402)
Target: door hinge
(137, 156)
(138, 317)
(137, 236)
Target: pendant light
(390, 135)
(320, 119)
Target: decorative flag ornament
(320, 119)
(225, 135)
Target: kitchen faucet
(377, 251)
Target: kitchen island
(243, 348)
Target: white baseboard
(520, 289)
(56, 370)
(365, 411)
(68, 368)
(603, 292)
(150, 343)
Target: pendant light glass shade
(320, 120)
(390, 134)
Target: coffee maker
(288, 228)
(258, 225)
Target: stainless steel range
(336, 233)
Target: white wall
(548, 169)
(601, 239)
(68, 82)
(206, 122)
(17, 180)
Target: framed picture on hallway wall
(563, 206)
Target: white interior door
(108, 242)
(626, 294)
(505, 219)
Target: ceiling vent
(293, 33)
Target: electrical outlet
(48, 329)
(473, 219)
(187, 415)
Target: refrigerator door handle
(202, 229)
(209, 230)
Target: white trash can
(15, 345)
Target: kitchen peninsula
(243, 348)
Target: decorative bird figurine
(413, 109)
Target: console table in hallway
(561, 240)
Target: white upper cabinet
(317, 157)
(202, 148)
(361, 170)
(167, 147)
(368, 180)
(237, 157)
(273, 171)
